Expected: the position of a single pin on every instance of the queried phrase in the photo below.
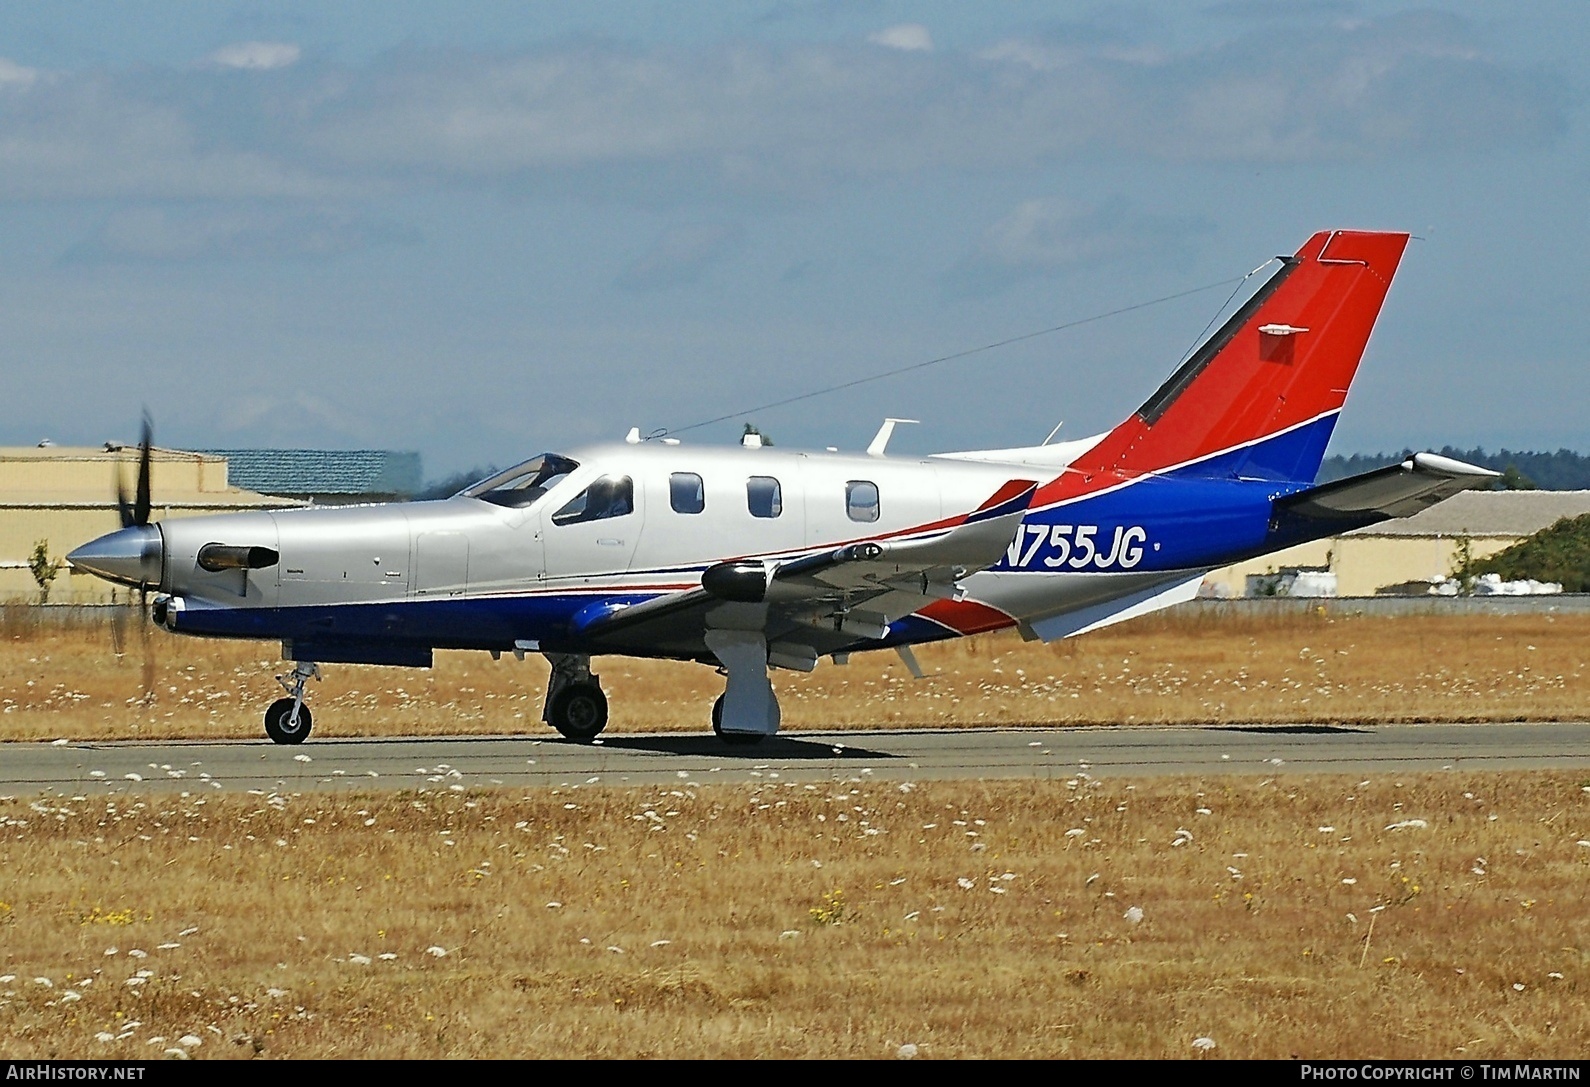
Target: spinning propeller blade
(137, 511)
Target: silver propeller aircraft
(749, 558)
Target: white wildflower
(1205, 1044)
(1408, 824)
(964, 884)
(1134, 914)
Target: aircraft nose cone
(131, 556)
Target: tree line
(1563, 470)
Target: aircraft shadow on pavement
(774, 747)
(1291, 730)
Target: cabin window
(522, 484)
(861, 500)
(685, 493)
(764, 497)
(608, 497)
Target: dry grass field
(74, 683)
(1430, 916)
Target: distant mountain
(1563, 470)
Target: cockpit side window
(610, 496)
(686, 493)
(523, 484)
(764, 497)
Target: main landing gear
(575, 704)
(288, 720)
(747, 711)
(733, 739)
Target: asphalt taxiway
(71, 768)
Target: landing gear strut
(288, 720)
(748, 710)
(575, 704)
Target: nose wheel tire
(579, 711)
(279, 724)
(734, 739)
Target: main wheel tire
(736, 739)
(579, 711)
(278, 722)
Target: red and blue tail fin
(1259, 398)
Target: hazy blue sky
(481, 230)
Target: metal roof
(323, 471)
(1487, 513)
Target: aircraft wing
(818, 603)
(1399, 490)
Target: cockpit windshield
(522, 484)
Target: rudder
(1259, 398)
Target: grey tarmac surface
(919, 755)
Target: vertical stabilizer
(1259, 398)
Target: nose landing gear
(288, 720)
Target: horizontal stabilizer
(1399, 490)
